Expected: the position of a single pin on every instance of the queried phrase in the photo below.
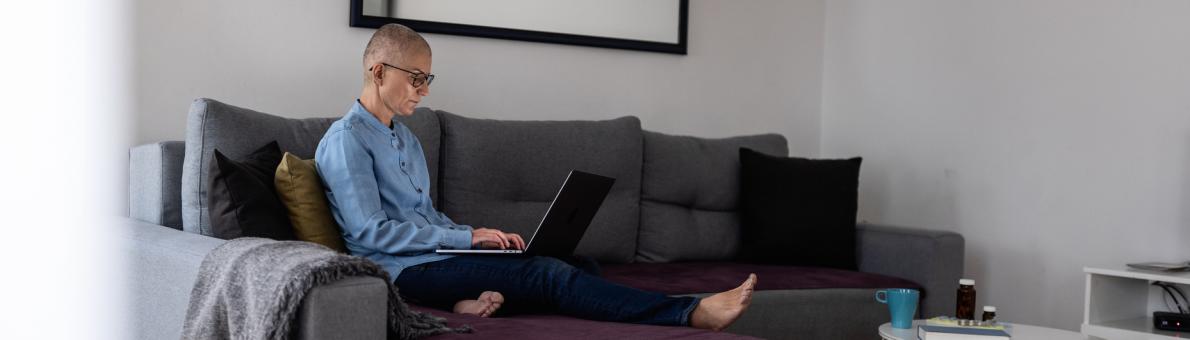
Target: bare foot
(487, 303)
(718, 311)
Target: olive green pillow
(301, 191)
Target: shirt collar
(359, 111)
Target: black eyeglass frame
(417, 79)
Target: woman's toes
(493, 297)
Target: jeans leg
(542, 284)
(586, 264)
(427, 285)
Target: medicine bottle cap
(967, 282)
(989, 309)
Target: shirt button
(418, 190)
(402, 164)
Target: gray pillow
(690, 195)
(504, 174)
(237, 131)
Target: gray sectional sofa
(670, 224)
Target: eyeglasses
(417, 79)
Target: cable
(1165, 299)
(1179, 290)
(1170, 291)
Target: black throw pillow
(242, 199)
(798, 211)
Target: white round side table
(1017, 331)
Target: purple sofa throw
(710, 277)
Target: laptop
(564, 222)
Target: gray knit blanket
(250, 288)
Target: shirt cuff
(458, 239)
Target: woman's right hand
(494, 238)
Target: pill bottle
(965, 302)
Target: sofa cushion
(827, 313)
(504, 174)
(237, 131)
(789, 300)
(300, 189)
(799, 211)
(794, 302)
(689, 196)
(243, 201)
(710, 277)
(549, 327)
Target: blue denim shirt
(379, 191)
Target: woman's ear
(378, 74)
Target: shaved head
(392, 43)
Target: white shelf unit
(1120, 303)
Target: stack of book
(1162, 266)
(948, 329)
(927, 332)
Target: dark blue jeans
(539, 284)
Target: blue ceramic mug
(902, 304)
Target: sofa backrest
(504, 174)
(689, 195)
(237, 131)
(674, 199)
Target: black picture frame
(358, 19)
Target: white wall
(1052, 134)
(752, 67)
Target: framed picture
(653, 25)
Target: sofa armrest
(931, 258)
(351, 308)
(155, 183)
(164, 268)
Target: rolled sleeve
(456, 238)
